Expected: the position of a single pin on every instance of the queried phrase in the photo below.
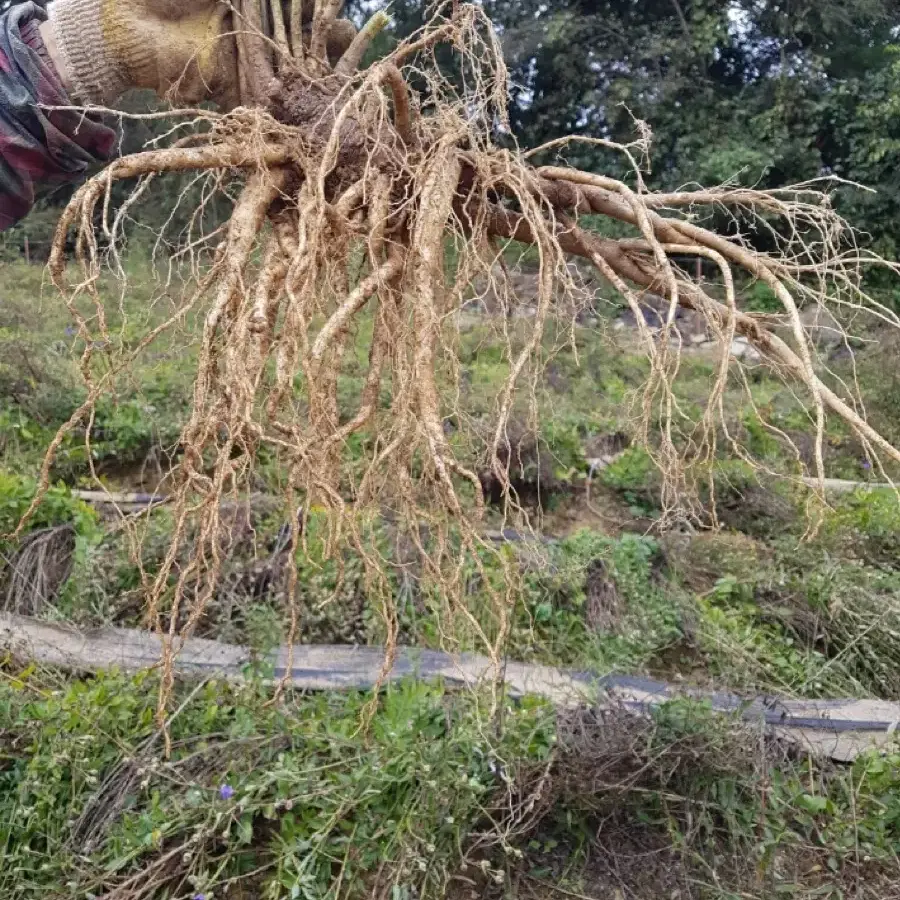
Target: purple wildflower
(867, 465)
(199, 897)
(226, 792)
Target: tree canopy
(765, 93)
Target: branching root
(369, 208)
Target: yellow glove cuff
(109, 46)
(95, 73)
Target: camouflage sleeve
(39, 148)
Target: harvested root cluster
(379, 195)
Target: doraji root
(355, 187)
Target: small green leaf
(813, 804)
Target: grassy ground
(439, 789)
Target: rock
(655, 310)
(515, 291)
(691, 325)
(824, 329)
(487, 299)
(602, 449)
(743, 350)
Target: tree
(765, 93)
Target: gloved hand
(181, 49)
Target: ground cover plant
(402, 381)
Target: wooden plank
(113, 498)
(841, 729)
(840, 486)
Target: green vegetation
(762, 94)
(321, 796)
(690, 806)
(350, 796)
(762, 606)
(286, 798)
(421, 792)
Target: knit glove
(181, 49)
